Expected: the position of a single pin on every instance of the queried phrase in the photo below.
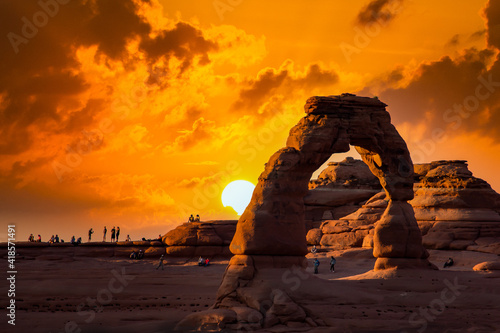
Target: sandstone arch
(273, 224)
(259, 287)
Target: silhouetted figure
(316, 265)
(90, 234)
(113, 233)
(140, 255)
(160, 264)
(31, 238)
(333, 261)
(133, 255)
(73, 240)
(128, 238)
(449, 263)
(191, 218)
(104, 234)
(51, 240)
(39, 240)
(56, 239)
(197, 219)
(117, 233)
(79, 241)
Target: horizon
(139, 114)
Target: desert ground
(121, 295)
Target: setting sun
(237, 195)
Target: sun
(237, 194)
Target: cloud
(453, 95)
(285, 81)
(197, 181)
(379, 11)
(201, 130)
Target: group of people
(203, 262)
(31, 238)
(55, 239)
(75, 241)
(333, 261)
(194, 219)
(137, 255)
(316, 263)
(115, 234)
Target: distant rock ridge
(454, 211)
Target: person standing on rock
(160, 264)
(113, 232)
(333, 261)
(90, 234)
(316, 265)
(117, 233)
(105, 231)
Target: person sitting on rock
(133, 255)
(191, 218)
(79, 240)
(316, 265)
(73, 240)
(314, 249)
(207, 262)
(39, 240)
(51, 240)
(197, 219)
(128, 239)
(449, 263)
(200, 261)
(140, 255)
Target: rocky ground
(119, 295)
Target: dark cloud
(269, 81)
(184, 42)
(492, 15)
(455, 95)
(265, 84)
(40, 75)
(380, 11)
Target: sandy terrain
(119, 295)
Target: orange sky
(138, 113)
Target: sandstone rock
(487, 266)
(313, 236)
(209, 320)
(397, 234)
(349, 173)
(272, 222)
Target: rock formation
(454, 210)
(207, 238)
(269, 239)
(272, 223)
(339, 190)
